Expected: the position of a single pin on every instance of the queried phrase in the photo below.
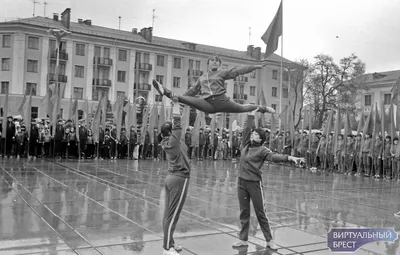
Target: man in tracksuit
(177, 180)
(250, 185)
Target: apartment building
(96, 61)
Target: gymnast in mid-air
(212, 91)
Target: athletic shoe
(240, 244)
(171, 251)
(178, 247)
(158, 87)
(397, 215)
(271, 244)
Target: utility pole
(119, 26)
(44, 12)
(34, 6)
(154, 17)
(249, 35)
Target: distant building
(96, 61)
(377, 89)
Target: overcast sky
(368, 28)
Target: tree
(298, 91)
(332, 86)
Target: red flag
(392, 128)
(162, 115)
(360, 124)
(274, 31)
(5, 115)
(396, 92)
(337, 130)
(273, 128)
(347, 127)
(27, 114)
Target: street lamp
(58, 34)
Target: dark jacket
(10, 132)
(176, 151)
(253, 156)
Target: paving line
(125, 190)
(35, 212)
(91, 199)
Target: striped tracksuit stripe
(176, 188)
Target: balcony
(61, 77)
(239, 96)
(62, 56)
(102, 61)
(143, 86)
(144, 66)
(242, 78)
(101, 82)
(195, 73)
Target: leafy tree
(332, 86)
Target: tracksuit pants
(252, 190)
(176, 188)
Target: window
(253, 74)
(252, 90)
(235, 88)
(160, 60)
(4, 87)
(177, 82)
(97, 51)
(273, 106)
(387, 98)
(6, 41)
(32, 66)
(78, 93)
(59, 116)
(34, 112)
(121, 94)
(80, 49)
(146, 58)
(367, 100)
(285, 93)
(191, 64)
(33, 43)
(106, 52)
(274, 91)
(158, 98)
(80, 71)
(160, 78)
(177, 63)
(197, 64)
(122, 55)
(121, 76)
(5, 64)
(241, 88)
(52, 45)
(31, 87)
(274, 74)
(285, 76)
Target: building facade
(377, 89)
(96, 61)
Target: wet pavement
(115, 207)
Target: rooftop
(381, 77)
(82, 28)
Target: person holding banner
(211, 86)
(177, 180)
(250, 184)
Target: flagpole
(281, 78)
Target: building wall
(19, 54)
